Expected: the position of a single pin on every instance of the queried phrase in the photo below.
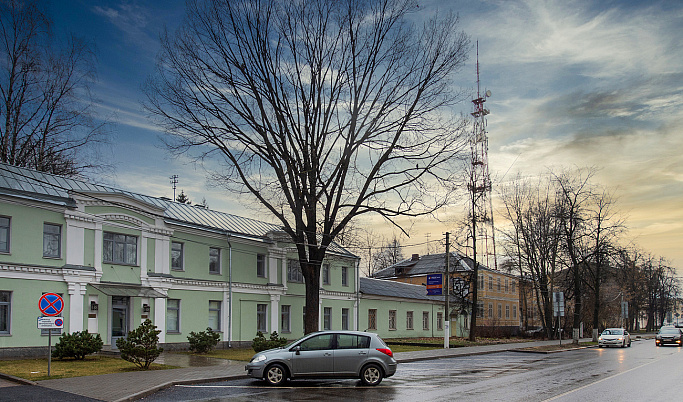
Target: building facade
(118, 258)
(498, 292)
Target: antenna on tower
(483, 236)
(174, 182)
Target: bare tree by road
(321, 110)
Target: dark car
(329, 354)
(670, 335)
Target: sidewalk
(198, 369)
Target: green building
(118, 258)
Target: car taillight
(387, 352)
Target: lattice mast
(480, 183)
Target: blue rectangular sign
(434, 284)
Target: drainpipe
(357, 294)
(229, 293)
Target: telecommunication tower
(482, 236)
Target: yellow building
(498, 292)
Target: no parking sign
(51, 304)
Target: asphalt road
(640, 373)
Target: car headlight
(258, 358)
(621, 338)
(600, 338)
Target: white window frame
(294, 273)
(176, 309)
(261, 265)
(392, 320)
(7, 230)
(410, 318)
(344, 319)
(345, 276)
(215, 307)
(52, 239)
(326, 274)
(6, 311)
(372, 319)
(113, 242)
(425, 320)
(214, 261)
(262, 318)
(327, 318)
(286, 318)
(181, 257)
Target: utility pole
(447, 294)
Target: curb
(169, 384)
(21, 381)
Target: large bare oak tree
(322, 110)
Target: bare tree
(389, 254)
(532, 242)
(45, 108)
(322, 110)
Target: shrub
(77, 345)
(260, 343)
(204, 341)
(140, 345)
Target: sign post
(51, 305)
(558, 310)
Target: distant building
(498, 293)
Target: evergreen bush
(77, 345)
(260, 343)
(204, 341)
(140, 345)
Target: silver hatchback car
(328, 354)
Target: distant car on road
(671, 335)
(327, 354)
(614, 337)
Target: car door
(350, 353)
(314, 357)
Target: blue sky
(575, 83)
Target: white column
(225, 315)
(76, 296)
(274, 313)
(98, 247)
(143, 255)
(162, 256)
(160, 317)
(75, 242)
(272, 268)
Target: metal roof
(40, 186)
(380, 287)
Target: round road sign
(51, 304)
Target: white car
(614, 337)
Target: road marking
(599, 381)
(304, 387)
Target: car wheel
(371, 374)
(276, 374)
(623, 344)
(599, 346)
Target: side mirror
(297, 349)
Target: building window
(326, 274)
(372, 318)
(4, 234)
(52, 240)
(215, 315)
(327, 318)
(480, 309)
(490, 310)
(500, 310)
(345, 276)
(176, 256)
(425, 320)
(490, 282)
(261, 311)
(214, 260)
(392, 319)
(409, 320)
(513, 286)
(507, 288)
(285, 320)
(294, 273)
(481, 281)
(514, 312)
(507, 312)
(5, 309)
(261, 265)
(498, 283)
(345, 319)
(173, 315)
(120, 249)
(439, 321)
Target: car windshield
(613, 332)
(669, 331)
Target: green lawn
(36, 369)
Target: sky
(574, 84)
